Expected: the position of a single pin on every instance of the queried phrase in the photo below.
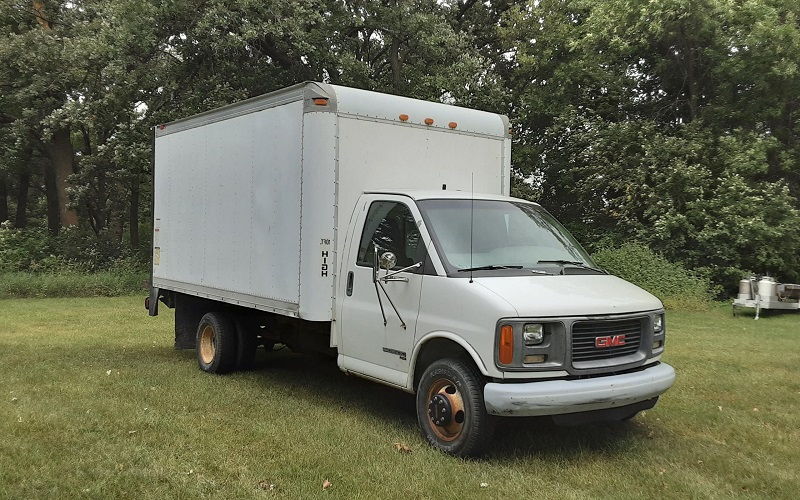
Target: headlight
(533, 333)
(658, 323)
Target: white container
(249, 197)
(766, 289)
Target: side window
(391, 226)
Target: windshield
(504, 233)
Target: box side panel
(227, 205)
(318, 222)
(375, 155)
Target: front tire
(216, 343)
(450, 408)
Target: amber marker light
(428, 121)
(404, 117)
(506, 348)
(320, 101)
(452, 124)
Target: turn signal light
(428, 121)
(506, 349)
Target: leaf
(402, 447)
(326, 484)
(266, 485)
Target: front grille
(584, 334)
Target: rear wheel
(248, 342)
(216, 343)
(450, 408)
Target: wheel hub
(440, 410)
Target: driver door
(378, 322)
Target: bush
(676, 286)
(109, 283)
(76, 263)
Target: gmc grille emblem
(609, 341)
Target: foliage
(676, 286)
(73, 250)
(116, 281)
(672, 124)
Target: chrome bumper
(555, 397)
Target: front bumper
(556, 397)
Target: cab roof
(444, 194)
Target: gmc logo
(609, 341)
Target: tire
(216, 343)
(450, 408)
(247, 343)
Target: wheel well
(438, 348)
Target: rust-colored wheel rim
(208, 344)
(446, 409)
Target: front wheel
(450, 408)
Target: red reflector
(321, 101)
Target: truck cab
(485, 306)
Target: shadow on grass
(320, 379)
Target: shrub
(676, 286)
(109, 283)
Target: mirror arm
(389, 275)
(402, 323)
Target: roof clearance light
(404, 117)
(428, 121)
(452, 124)
(321, 101)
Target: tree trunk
(394, 61)
(21, 218)
(133, 215)
(3, 199)
(61, 157)
(51, 193)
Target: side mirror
(388, 260)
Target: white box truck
(379, 229)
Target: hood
(570, 295)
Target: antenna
(471, 220)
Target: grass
(94, 403)
(73, 283)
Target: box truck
(379, 229)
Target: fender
(442, 335)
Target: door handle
(350, 283)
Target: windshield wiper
(572, 263)
(488, 268)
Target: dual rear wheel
(224, 344)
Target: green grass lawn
(95, 403)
